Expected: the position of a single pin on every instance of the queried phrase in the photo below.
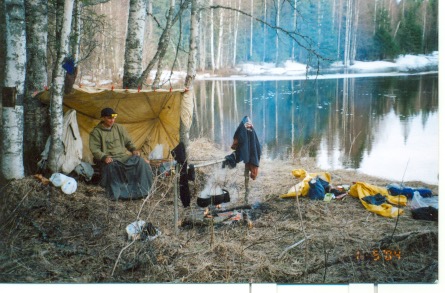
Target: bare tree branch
(294, 35)
(162, 44)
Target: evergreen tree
(384, 45)
(409, 37)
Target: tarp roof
(151, 117)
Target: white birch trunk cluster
(56, 107)
(15, 65)
(36, 76)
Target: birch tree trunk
(340, 23)
(235, 33)
(251, 30)
(212, 42)
(347, 47)
(264, 30)
(319, 23)
(76, 30)
(14, 81)
(193, 44)
(2, 52)
(134, 43)
(191, 64)
(375, 18)
(425, 9)
(218, 62)
(354, 29)
(277, 22)
(36, 116)
(294, 27)
(56, 106)
(202, 52)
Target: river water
(385, 126)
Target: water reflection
(385, 126)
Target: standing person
(124, 174)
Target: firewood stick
(292, 246)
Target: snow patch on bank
(290, 70)
(402, 65)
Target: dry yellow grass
(49, 237)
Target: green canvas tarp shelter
(151, 117)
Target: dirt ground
(47, 236)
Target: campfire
(208, 212)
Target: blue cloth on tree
(68, 65)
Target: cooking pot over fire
(206, 200)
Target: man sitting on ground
(124, 174)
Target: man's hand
(108, 160)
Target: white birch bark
(15, 68)
(202, 52)
(375, 17)
(193, 44)
(36, 130)
(218, 61)
(134, 43)
(235, 33)
(76, 30)
(294, 26)
(340, 19)
(276, 32)
(356, 13)
(251, 30)
(347, 46)
(56, 106)
(2, 54)
(319, 25)
(425, 9)
(264, 30)
(212, 42)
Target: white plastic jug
(58, 179)
(69, 186)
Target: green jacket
(114, 142)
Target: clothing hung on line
(247, 147)
(179, 155)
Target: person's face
(108, 121)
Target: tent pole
(177, 168)
(246, 183)
(209, 163)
